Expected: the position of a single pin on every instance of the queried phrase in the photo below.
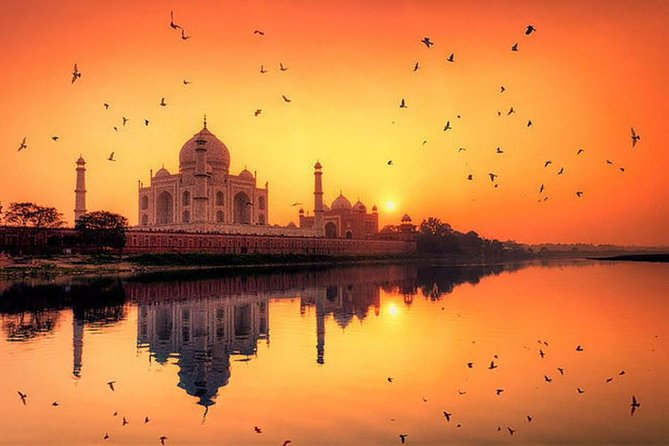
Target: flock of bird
(494, 364)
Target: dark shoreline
(654, 258)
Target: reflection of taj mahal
(203, 192)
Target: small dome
(301, 211)
(245, 174)
(217, 153)
(162, 173)
(292, 225)
(406, 218)
(374, 209)
(360, 207)
(317, 165)
(81, 160)
(341, 202)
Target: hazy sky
(590, 72)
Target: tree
(29, 214)
(103, 229)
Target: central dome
(341, 202)
(218, 155)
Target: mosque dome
(360, 207)
(217, 153)
(162, 173)
(245, 174)
(341, 202)
(375, 209)
(292, 225)
(406, 218)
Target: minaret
(200, 198)
(318, 197)
(80, 191)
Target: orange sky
(589, 73)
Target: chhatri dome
(218, 155)
(341, 202)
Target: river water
(347, 355)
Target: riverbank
(655, 258)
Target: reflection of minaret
(77, 344)
(80, 191)
(320, 328)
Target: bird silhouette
(390, 162)
(447, 126)
(548, 163)
(511, 431)
(296, 204)
(470, 177)
(447, 416)
(281, 67)
(106, 106)
(492, 178)
(162, 102)
(124, 120)
(580, 151)
(75, 73)
(561, 370)
(111, 383)
(257, 112)
(183, 35)
(285, 98)
(162, 439)
(23, 145)
(502, 89)
(146, 420)
(403, 438)
(262, 69)
(146, 122)
(541, 352)
(55, 138)
(499, 150)
(499, 391)
(579, 194)
(428, 43)
(529, 123)
(106, 437)
(580, 390)
(186, 82)
(461, 149)
(416, 67)
(115, 129)
(548, 379)
(529, 419)
(622, 372)
(461, 392)
(529, 30)
(55, 404)
(403, 104)
(111, 158)
(125, 422)
(608, 380)
(390, 379)
(257, 31)
(470, 365)
(514, 47)
(23, 397)
(579, 348)
(541, 189)
(561, 171)
(635, 405)
(635, 137)
(257, 430)
(511, 110)
(172, 24)
(286, 442)
(622, 169)
(451, 58)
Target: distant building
(343, 220)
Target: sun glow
(393, 310)
(390, 206)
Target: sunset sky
(590, 72)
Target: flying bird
(403, 104)
(55, 404)
(257, 31)
(111, 383)
(461, 149)
(162, 102)
(106, 437)
(548, 379)
(111, 158)
(55, 138)
(470, 365)
(124, 120)
(529, 123)
(172, 24)
(634, 136)
(146, 122)
(447, 416)
(75, 73)
(502, 89)
(580, 390)
(451, 58)
(470, 177)
(183, 35)
(262, 69)
(561, 171)
(281, 67)
(529, 419)
(162, 439)
(257, 429)
(285, 443)
(541, 352)
(115, 129)
(608, 380)
(296, 204)
(492, 178)
(579, 348)
(511, 431)
(428, 43)
(125, 421)
(579, 194)
(186, 82)
(499, 150)
(23, 145)
(514, 47)
(23, 396)
(622, 169)
(106, 106)
(416, 67)
(541, 189)
(511, 110)
(390, 379)
(447, 126)
(609, 162)
(635, 405)
(580, 151)
(561, 370)
(548, 163)
(285, 98)
(390, 162)
(146, 420)
(403, 437)
(499, 391)
(257, 112)
(530, 29)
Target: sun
(390, 206)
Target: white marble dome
(218, 155)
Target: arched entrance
(242, 208)
(164, 208)
(330, 230)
